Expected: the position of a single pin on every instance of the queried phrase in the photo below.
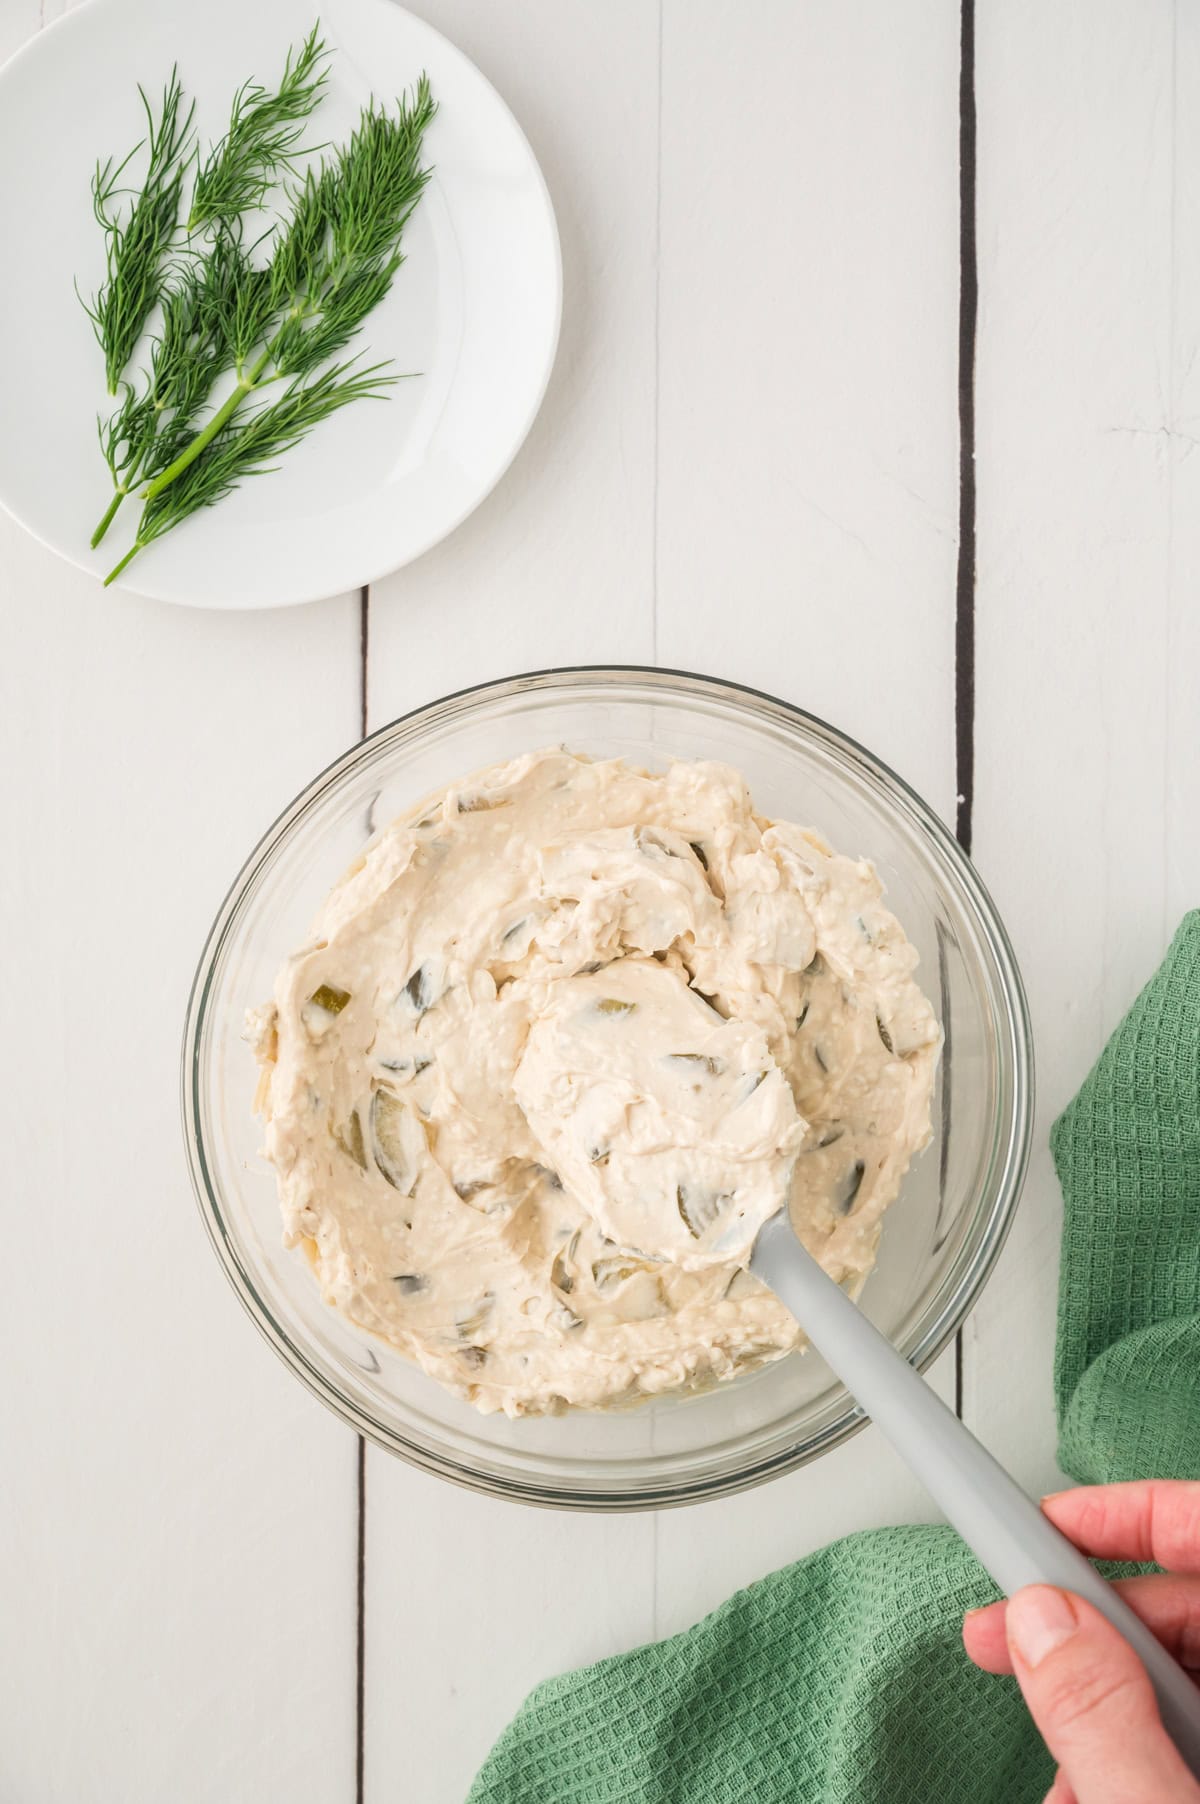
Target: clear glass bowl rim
(1015, 1028)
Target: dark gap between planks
(360, 1624)
(964, 600)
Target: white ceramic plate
(475, 309)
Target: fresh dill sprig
(334, 261)
(155, 421)
(263, 138)
(136, 242)
(250, 446)
(153, 425)
(332, 258)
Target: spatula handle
(1007, 1532)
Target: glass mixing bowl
(940, 1238)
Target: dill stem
(109, 515)
(117, 568)
(209, 431)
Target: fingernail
(1038, 1620)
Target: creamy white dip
(564, 1039)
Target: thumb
(1089, 1695)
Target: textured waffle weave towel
(843, 1677)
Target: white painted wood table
(748, 463)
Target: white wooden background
(747, 463)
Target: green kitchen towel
(842, 1678)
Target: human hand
(1085, 1687)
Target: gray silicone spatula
(1004, 1529)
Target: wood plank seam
(964, 605)
(656, 1527)
(657, 362)
(360, 1624)
(360, 1574)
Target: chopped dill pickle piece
(480, 804)
(331, 999)
(420, 989)
(350, 1139)
(850, 1187)
(406, 1067)
(466, 1188)
(699, 1062)
(397, 1141)
(472, 1324)
(647, 840)
(561, 1275)
(699, 1208)
(612, 1005)
(608, 1274)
